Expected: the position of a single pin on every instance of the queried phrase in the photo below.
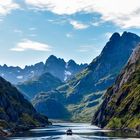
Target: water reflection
(81, 132)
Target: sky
(32, 30)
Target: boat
(69, 132)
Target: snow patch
(20, 77)
(66, 66)
(67, 74)
(32, 72)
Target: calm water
(81, 132)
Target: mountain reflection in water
(81, 131)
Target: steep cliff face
(15, 110)
(121, 106)
(83, 93)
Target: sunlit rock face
(121, 106)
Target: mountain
(61, 69)
(15, 110)
(83, 93)
(45, 82)
(56, 66)
(121, 106)
(17, 75)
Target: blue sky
(31, 30)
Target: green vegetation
(128, 102)
(4, 124)
(115, 123)
(121, 107)
(83, 111)
(28, 119)
(15, 110)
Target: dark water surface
(81, 132)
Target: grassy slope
(127, 111)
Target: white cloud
(95, 23)
(77, 25)
(6, 6)
(124, 13)
(60, 21)
(31, 45)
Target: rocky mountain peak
(115, 37)
(60, 69)
(54, 59)
(127, 35)
(71, 64)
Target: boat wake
(73, 137)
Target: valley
(69, 70)
(87, 95)
(79, 97)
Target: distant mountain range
(82, 94)
(16, 74)
(121, 106)
(56, 66)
